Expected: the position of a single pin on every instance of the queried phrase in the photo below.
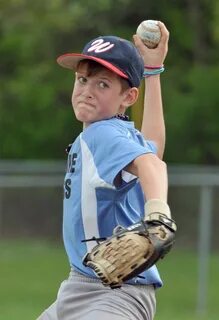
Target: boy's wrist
(152, 70)
(152, 78)
(156, 206)
(153, 67)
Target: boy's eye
(103, 85)
(82, 80)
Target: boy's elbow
(160, 145)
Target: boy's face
(97, 96)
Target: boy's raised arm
(153, 126)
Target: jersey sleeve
(113, 149)
(151, 145)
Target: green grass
(178, 298)
(31, 272)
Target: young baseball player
(115, 177)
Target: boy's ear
(130, 96)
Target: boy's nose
(88, 92)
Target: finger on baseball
(139, 44)
(164, 33)
(137, 41)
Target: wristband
(153, 72)
(156, 206)
(153, 67)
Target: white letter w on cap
(100, 46)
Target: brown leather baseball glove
(130, 251)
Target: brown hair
(94, 67)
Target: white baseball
(149, 32)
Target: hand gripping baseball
(130, 251)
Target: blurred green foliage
(36, 118)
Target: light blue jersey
(93, 205)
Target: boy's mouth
(86, 104)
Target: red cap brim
(71, 60)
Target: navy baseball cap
(114, 53)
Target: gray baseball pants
(84, 298)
